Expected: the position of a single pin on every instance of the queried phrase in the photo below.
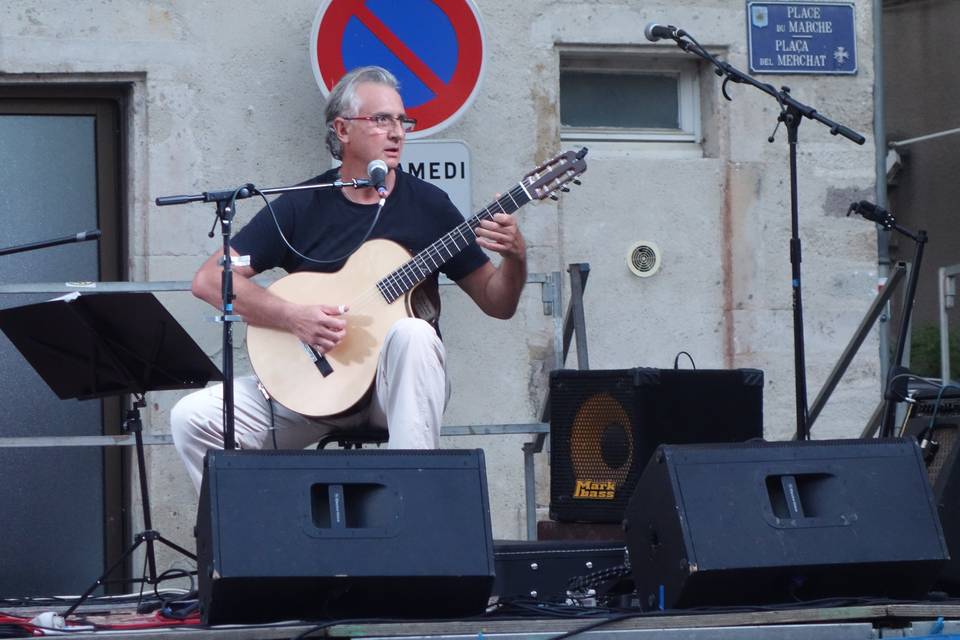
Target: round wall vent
(644, 258)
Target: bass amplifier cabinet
(546, 569)
(334, 534)
(943, 470)
(761, 523)
(604, 425)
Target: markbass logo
(597, 490)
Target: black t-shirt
(323, 224)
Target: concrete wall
(924, 191)
(222, 93)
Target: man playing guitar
(316, 231)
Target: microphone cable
(276, 222)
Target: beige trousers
(409, 397)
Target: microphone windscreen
(377, 170)
(648, 32)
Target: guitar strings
(394, 277)
(401, 279)
(412, 271)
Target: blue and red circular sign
(435, 48)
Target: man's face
(364, 140)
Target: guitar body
(377, 284)
(284, 366)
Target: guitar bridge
(319, 360)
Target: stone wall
(222, 93)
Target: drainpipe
(880, 158)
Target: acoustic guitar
(376, 283)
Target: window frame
(636, 62)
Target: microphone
(873, 213)
(377, 170)
(655, 32)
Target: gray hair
(343, 99)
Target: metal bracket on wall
(574, 324)
(878, 306)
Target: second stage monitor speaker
(762, 523)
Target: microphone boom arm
(787, 102)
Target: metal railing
(947, 286)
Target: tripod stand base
(148, 537)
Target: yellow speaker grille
(601, 441)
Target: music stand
(106, 344)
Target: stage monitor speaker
(334, 534)
(762, 523)
(604, 426)
(943, 469)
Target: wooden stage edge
(869, 622)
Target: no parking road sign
(435, 48)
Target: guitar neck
(425, 263)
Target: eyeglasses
(386, 121)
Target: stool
(355, 437)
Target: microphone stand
(894, 391)
(83, 236)
(226, 207)
(791, 115)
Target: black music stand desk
(87, 346)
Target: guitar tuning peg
(565, 189)
(554, 196)
(577, 181)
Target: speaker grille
(944, 434)
(947, 439)
(601, 441)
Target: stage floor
(938, 620)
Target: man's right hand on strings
(321, 326)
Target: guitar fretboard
(422, 265)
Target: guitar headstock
(554, 174)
